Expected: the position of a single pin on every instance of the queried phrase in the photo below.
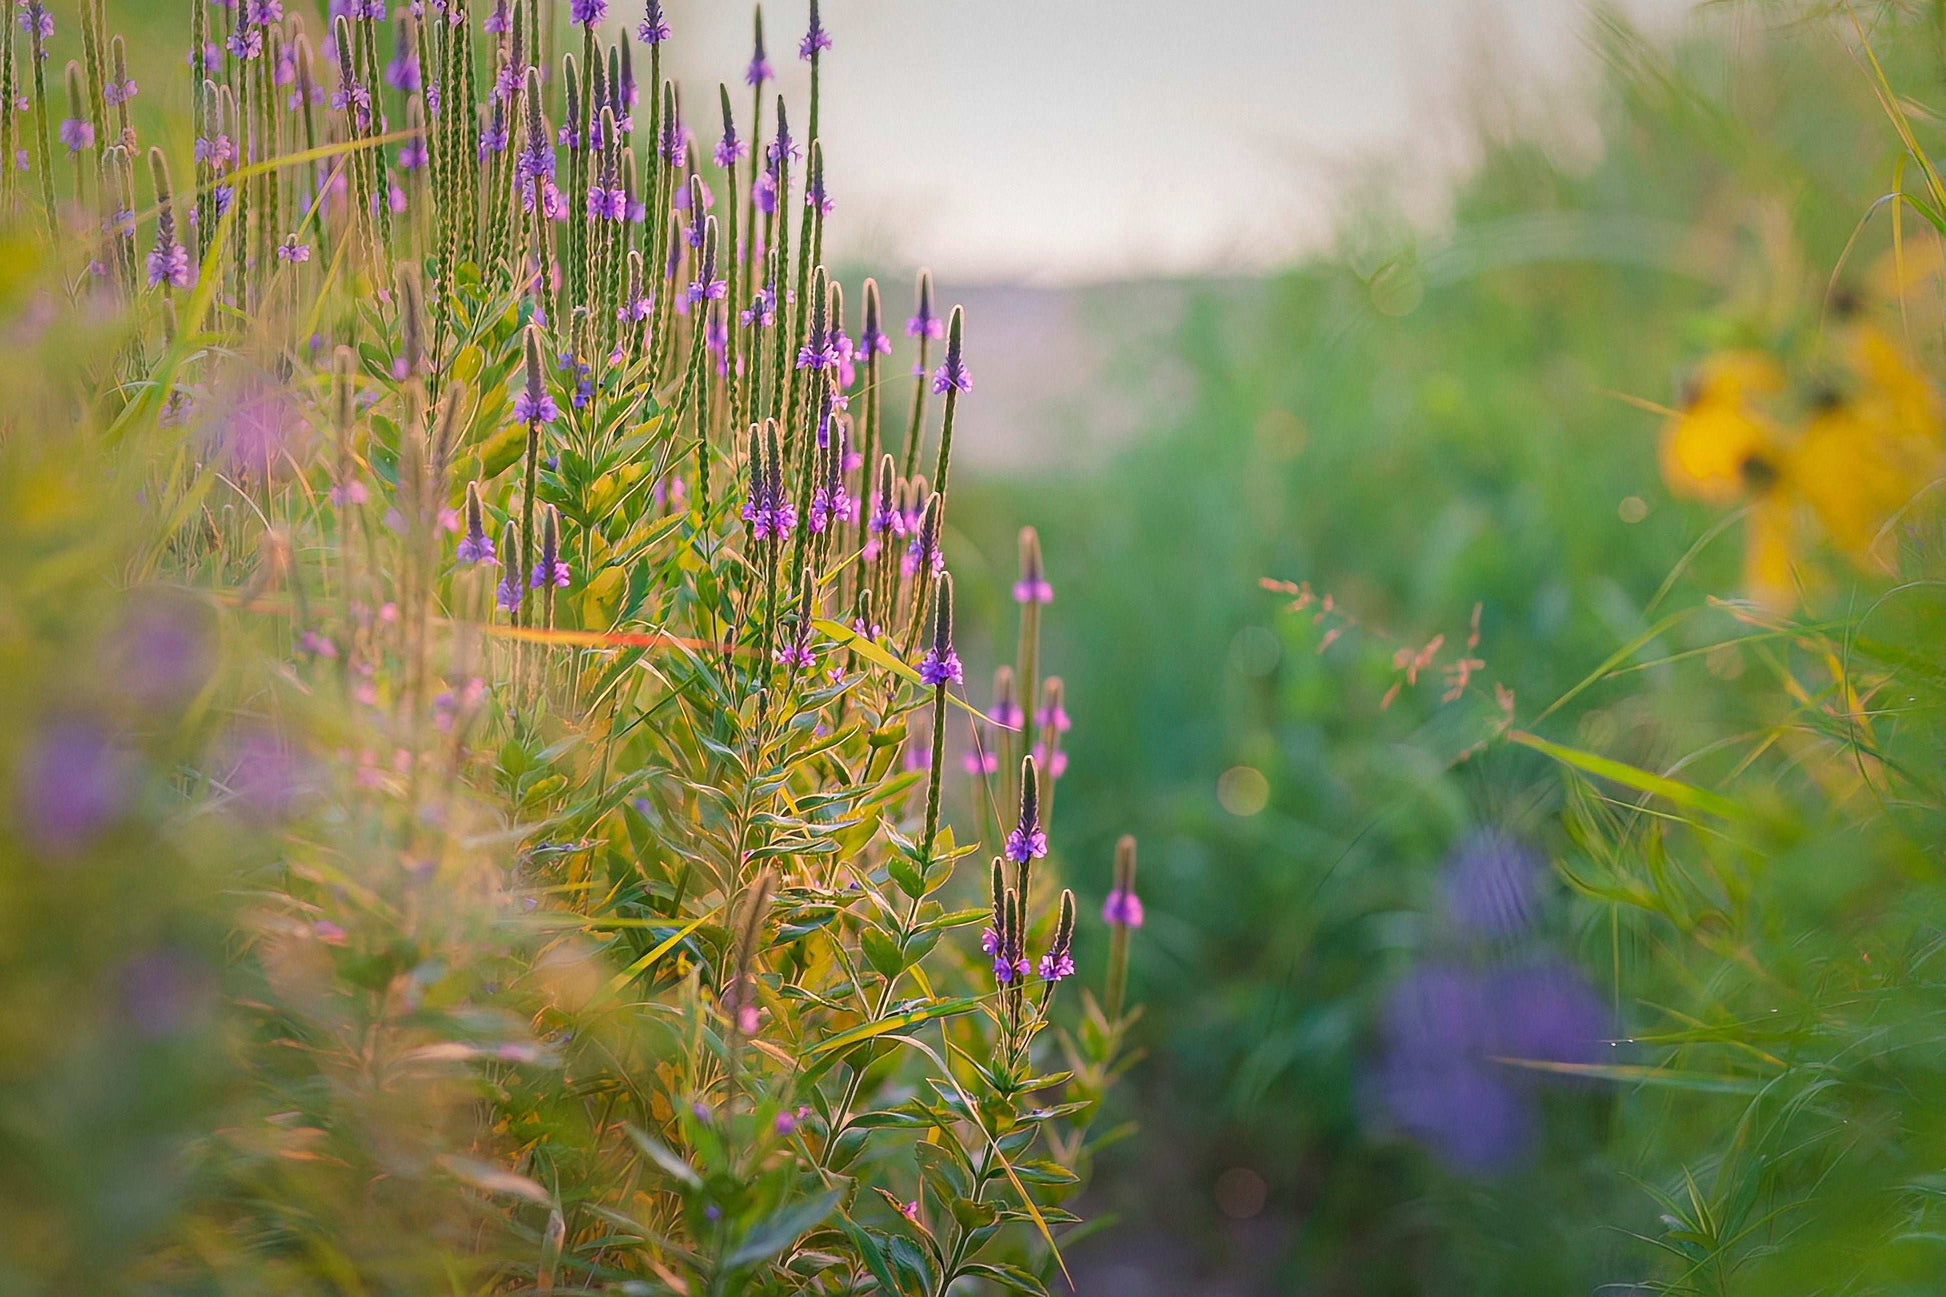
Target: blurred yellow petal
(1770, 553)
(1722, 443)
(1856, 471)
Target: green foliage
(557, 914)
(1423, 426)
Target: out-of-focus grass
(1419, 427)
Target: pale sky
(1058, 141)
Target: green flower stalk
(1122, 911)
(939, 668)
(926, 328)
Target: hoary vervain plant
(590, 930)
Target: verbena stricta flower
(729, 148)
(533, 405)
(654, 29)
(871, 338)
(941, 664)
(168, 260)
(1122, 909)
(1033, 585)
(1005, 712)
(922, 551)
(708, 286)
(118, 93)
(1028, 841)
(264, 13)
(402, 73)
(1058, 962)
(76, 134)
(507, 593)
(759, 70)
(497, 23)
(815, 195)
(586, 13)
(816, 39)
(551, 569)
(605, 204)
(952, 375)
(980, 760)
(475, 546)
(924, 324)
(290, 250)
(35, 20)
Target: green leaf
(1010, 1277)
(883, 952)
(897, 1022)
(773, 1235)
(676, 1167)
(1642, 781)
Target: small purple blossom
(507, 593)
(952, 376)
(1054, 967)
(586, 13)
(532, 409)
(654, 29)
(1034, 589)
(169, 264)
(76, 134)
(291, 250)
(1122, 909)
(559, 580)
(815, 40)
(69, 786)
(937, 670)
(1025, 844)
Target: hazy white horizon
(1060, 141)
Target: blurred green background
(1418, 423)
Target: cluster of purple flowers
(1456, 1028)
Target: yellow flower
(1722, 444)
(1853, 463)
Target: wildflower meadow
(527, 765)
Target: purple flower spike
(935, 670)
(77, 134)
(169, 264)
(815, 40)
(507, 593)
(1033, 591)
(586, 13)
(69, 787)
(654, 28)
(531, 409)
(952, 377)
(1122, 909)
(540, 577)
(1024, 845)
(1054, 967)
(1491, 885)
(924, 324)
